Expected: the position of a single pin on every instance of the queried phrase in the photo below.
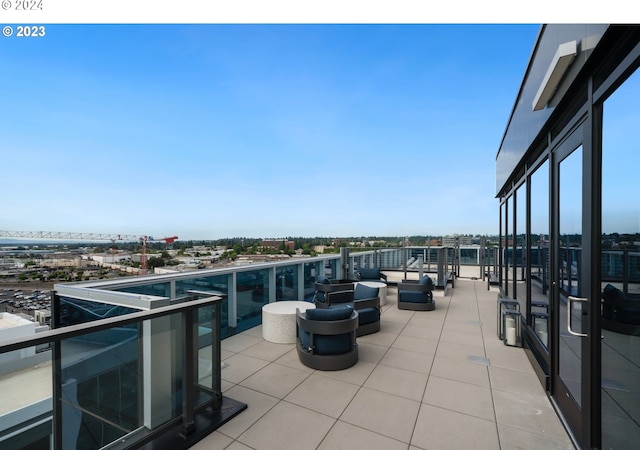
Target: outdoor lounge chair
(620, 313)
(371, 274)
(416, 295)
(327, 337)
(367, 302)
(329, 293)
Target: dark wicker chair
(327, 337)
(367, 302)
(416, 295)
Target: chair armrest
(373, 302)
(403, 286)
(339, 297)
(333, 287)
(327, 327)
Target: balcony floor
(428, 380)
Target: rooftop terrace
(427, 380)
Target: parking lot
(16, 300)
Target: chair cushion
(362, 292)
(340, 312)
(413, 296)
(425, 280)
(368, 315)
(327, 345)
(369, 273)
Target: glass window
(539, 253)
(504, 248)
(620, 274)
(519, 258)
(569, 268)
(509, 250)
(571, 223)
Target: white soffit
(559, 64)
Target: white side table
(279, 320)
(382, 289)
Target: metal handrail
(59, 334)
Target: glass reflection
(539, 251)
(287, 282)
(100, 387)
(506, 243)
(519, 260)
(570, 242)
(620, 269)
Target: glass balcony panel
(287, 282)
(311, 274)
(469, 255)
(612, 265)
(74, 311)
(252, 292)
(156, 289)
(101, 387)
(216, 284)
(208, 351)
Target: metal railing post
(188, 374)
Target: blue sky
(212, 131)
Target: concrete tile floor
(414, 387)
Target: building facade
(567, 183)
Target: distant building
(322, 248)
(277, 244)
(106, 258)
(450, 241)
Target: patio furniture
(332, 292)
(416, 295)
(370, 274)
(367, 302)
(279, 320)
(327, 337)
(380, 285)
(620, 313)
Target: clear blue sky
(212, 131)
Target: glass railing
(246, 289)
(114, 382)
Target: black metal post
(188, 374)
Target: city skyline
(210, 131)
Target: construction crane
(144, 240)
(143, 256)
